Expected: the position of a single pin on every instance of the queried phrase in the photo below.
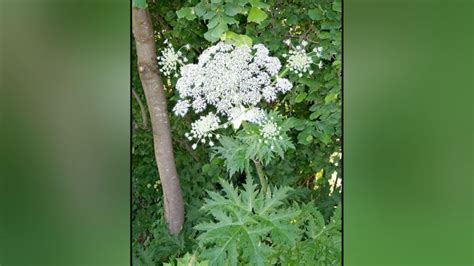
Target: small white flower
(304, 43)
(204, 125)
(287, 41)
(270, 130)
(283, 85)
(199, 104)
(194, 146)
(169, 60)
(318, 51)
(181, 108)
(299, 62)
(269, 94)
(320, 65)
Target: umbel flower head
(227, 76)
(299, 61)
(170, 59)
(231, 81)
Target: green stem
(281, 75)
(261, 176)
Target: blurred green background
(65, 132)
(408, 134)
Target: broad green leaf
(336, 6)
(256, 15)
(311, 83)
(213, 22)
(208, 15)
(300, 97)
(314, 115)
(305, 137)
(232, 9)
(258, 4)
(292, 19)
(237, 39)
(199, 9)
(314, 14)
(229, 20)
(331, 97)
(325, 139)
(186, 12)
(214, 34)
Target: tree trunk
(157, 106)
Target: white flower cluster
(270, 131)
(170, 59)
(299, 62)
(232, 81)
(202, 129)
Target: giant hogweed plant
(229, 86)
(231, 89)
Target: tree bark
(157, 106)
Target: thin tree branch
(142, 110)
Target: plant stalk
(261, 176)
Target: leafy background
(407, 105)
(313, 108)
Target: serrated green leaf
(243, 226)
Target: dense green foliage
(294, 222)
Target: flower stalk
(261, 176)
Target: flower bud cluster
(299, 61)
(170, 59)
